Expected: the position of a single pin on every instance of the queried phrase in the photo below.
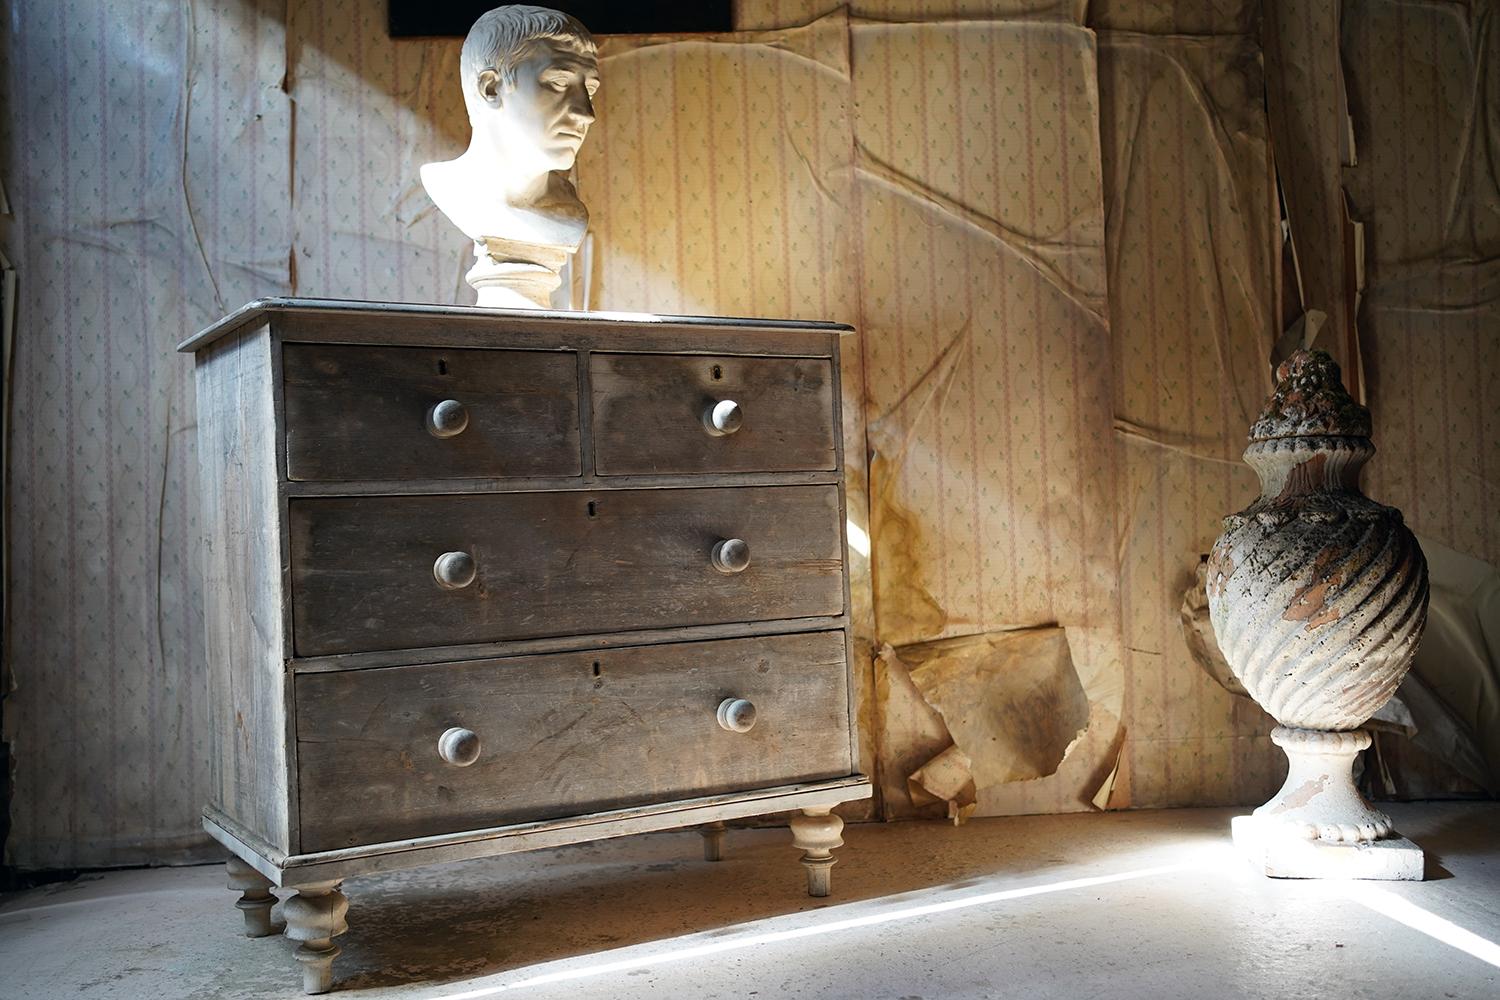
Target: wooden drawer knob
(459, 746)
(737, 715)
(723, 417)
(447, 419)
(454, 570)
(730, 555)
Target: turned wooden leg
(255, 900)
(315, 916)
(816, 834)
(713, 841)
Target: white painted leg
(255, 900)
(816, 833)
(315, 916)
(713, 841)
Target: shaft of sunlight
(1403, 911)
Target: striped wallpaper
(1056, 238)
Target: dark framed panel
(428, 18)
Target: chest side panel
(243, 577)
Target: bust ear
(488, 85)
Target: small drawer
(661, 414)
(359, 412)
(402, 572)
(400, 752)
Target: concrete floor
(1119, 905)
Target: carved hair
(505, 36)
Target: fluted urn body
(1318, 596)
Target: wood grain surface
(647, 413)
(562, 735)
(479, 842)
(356, 321)
(359, 412)
(242, 570)
(556, 563)
(585, 332)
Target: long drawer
(656, 413)
(542, 737)
(402, 572)
(359, 412)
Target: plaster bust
(529, 75)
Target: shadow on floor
(460, 922)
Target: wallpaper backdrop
(1053, 224)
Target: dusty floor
(1121, 905)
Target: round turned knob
(447, 419)
(459, 746)
(454, 570)
(732, 555)
(723, 417)
(736, 715)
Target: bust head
(529, 75)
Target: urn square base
(1280, 856)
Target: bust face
(540, 124)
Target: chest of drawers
(481, 582)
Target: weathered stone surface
(1280, 856)
(1318, 597)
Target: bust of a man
(529, 75)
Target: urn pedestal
(1318, 596)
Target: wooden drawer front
(567, 563)
(356, 412)
(562, 735)
(648, 414)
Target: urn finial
(1310, 400)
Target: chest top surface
(258, 311)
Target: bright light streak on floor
(1388, 904)
(832, 927)
(858, 540)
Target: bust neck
(486, 196)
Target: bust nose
(581, 110)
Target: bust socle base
(516, 275)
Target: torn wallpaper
(1309, 116)
(1011, 702)
(986, 342)
(1383, 118)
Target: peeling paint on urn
(1317, 594)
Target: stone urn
(1318, 596)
